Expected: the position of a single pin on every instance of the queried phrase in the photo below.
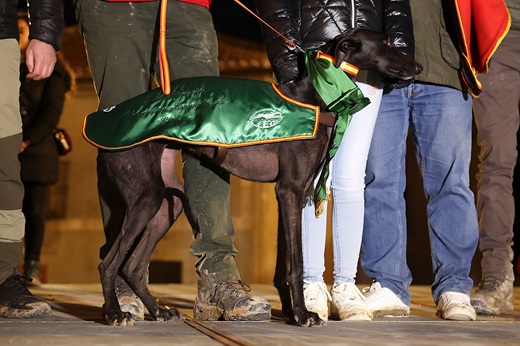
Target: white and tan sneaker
(382, 302)
(317, 298)
(348, 303)
(455, 306)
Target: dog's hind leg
(137, 175)
(136, 266)
(110, 265)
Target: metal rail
(219, 335)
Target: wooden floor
(76, 320)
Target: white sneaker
(455, 306)
(317, 298)
(348, 303)
(382, 302)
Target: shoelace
(374, 288)
(235, 288)
(15, 283)
(455, 299)
(316, 293)
(489, 283)
(350, 293)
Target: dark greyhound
(146, 183)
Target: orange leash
(163, 58)
(289, 42)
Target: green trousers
(121, 42)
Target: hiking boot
(128, 300)
(494, 297)
(31, 269)
(382, 302)
(317, 298)
(348, 303)
(16, 301)
(230, 301)
(455, 306)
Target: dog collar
(345, 66)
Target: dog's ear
(346, 45)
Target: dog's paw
(117, 317)
(122, 319)
(168, 315)
(308, 319)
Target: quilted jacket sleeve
(397, 24)
(47, 23)
(314, 22)
(283, 16)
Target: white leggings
(347, 184)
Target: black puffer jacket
(47, 21)
(314, 22)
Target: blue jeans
(347, 183)
(441, 126)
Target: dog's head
(370, 50)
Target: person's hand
(40, 59)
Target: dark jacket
(514, 8)
(47, 21)
(41, 105)
(314, 22)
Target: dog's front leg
(290, 204)
(281, 273)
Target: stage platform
(76, 320)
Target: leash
(289, 42)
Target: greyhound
(146, 183)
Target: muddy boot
(230, 301)
(31, 269)
(493, 297)
(17, 302)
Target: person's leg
(34, 204)
(15, 300)
(383, 252)
(120, 45)
(497, 118)
(314, 233)
(192, 51)
(118, 39)
(442, 132)
(348, 185)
